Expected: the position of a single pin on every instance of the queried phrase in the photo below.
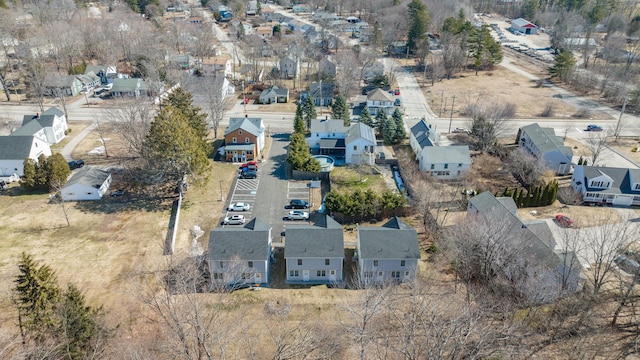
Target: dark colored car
(76, 164)
(594, 128)
(298, 204)
(627, 265)
(119, 192)
(248, 174)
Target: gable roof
(125, 85)
(88, 77)
(621, 178)
(324, 239)
(53, 111)
(379, 95)
(277, 91)
(485, 201)
(393, 240)
(360, 131)
(250, 242)
(423, 134)
(96, 69)
(251, 125)
(88, 176)
(545, 139)
(447, 154)
(328, 126)
(520, 22)
(15, 147)
(28, 129)
(327, 90)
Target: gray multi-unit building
(544, 144)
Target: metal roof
(360, 131)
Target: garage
(623, 200)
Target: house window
(89, 193)
(221, 264)
(246, 140)
(446, 166)
(239, 132)
(299, 262)
(327, 261)
(294, 273)
(321, 273)
(250, 264)
(395, 274)
(433, 166)
(234, 140)
(218, 276)
(636, 187)
(375, 262)
(368, 274)
(402, 262)
(246, 276)
(406, 273)
(355, 147)
(459, 165)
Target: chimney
(37, 115)
(326, 117)
(246, 116)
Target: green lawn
(350, 178)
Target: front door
(258, 278)
(332, 275)
(244, 156)
(305, 275)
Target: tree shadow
(128, 202)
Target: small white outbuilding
(88, 183)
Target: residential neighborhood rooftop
(393, 240)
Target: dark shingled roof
(322, 240)
(251, 125)
(331, 143)
(89, 176)
(15, 147)
(28, 129)
(250, 242)
(621, 179)
(424, 136)
(393, 240)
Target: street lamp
(244, 99)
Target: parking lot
(244, 191)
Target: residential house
(240, 256)
(534, 267)
(421, 136)
(301, 8)
(62, 85)
(219, 64)
(320, 98)
(181, 61)
(314, 254)
(274, 95)
(129, 87)
(607, 185)
(524, 26)
(326, 69)
(360, 144)
(580, 43)
(289, 68)
(89, 81)
(267, 50)
(355, 144)
(106, 73)
(50, 126)
(265, 32)
(380, 100)
(445, 162)
(397, 48)
(388, 253)
(88, 183)
(372, 71)
(14, 149)
(323, 16)
(244, 139)
(545, 145)
(252, 8)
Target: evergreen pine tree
(365, 117)
(400, 131)
(505, 192)
(381, 120)
(389, 131)
(526, 198)
(28, 179)
(57, 171)
(79, 324)
(340, 110)
(520, 200)
(298, 124)
(41, 173)
(308, 111)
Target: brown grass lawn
(349, 178)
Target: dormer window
(636, 187)
(600, 184)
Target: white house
(372, 71)
(15, 149)
(545, 145)
(289, 68)
(360, 144)
(616, 186)
(49, 126)
(274, 95)
(420, 136)
(379, 100)
(326, 69)
(321, 129)
(445, 162)
(214, 65)
(88, 183)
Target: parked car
(119, 192)
(397, 102)
(627, 265)
(239, 207)
(564, 220)
(234, 220)
(298, 215)
(298, 204)
(461, 130)
(593, 128)
(252, 166)
(396, 92)
(248, 174)
(76, 164)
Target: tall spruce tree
(381, 120)
(418, 24)
(80, 325)
(308, 111)
(28, 179)
(365, 117)
(401, 133)
(340, 110)
(57, 171)
(389, 132)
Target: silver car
(239, 207)
(298, 215)
(234, 220)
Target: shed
(88, 183)
(524, 26)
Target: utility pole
(451, 118)
(244, 99)
(221, 198)
(441, 102)
(624, 105)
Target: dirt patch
(627, 146)
(582, 216)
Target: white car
(298, 215)
(239, 207)
(234, 220)
(461, 130)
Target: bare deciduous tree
(488, 121)
(596, 142)
(132, 118)
(525, 167)
(348, 78)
